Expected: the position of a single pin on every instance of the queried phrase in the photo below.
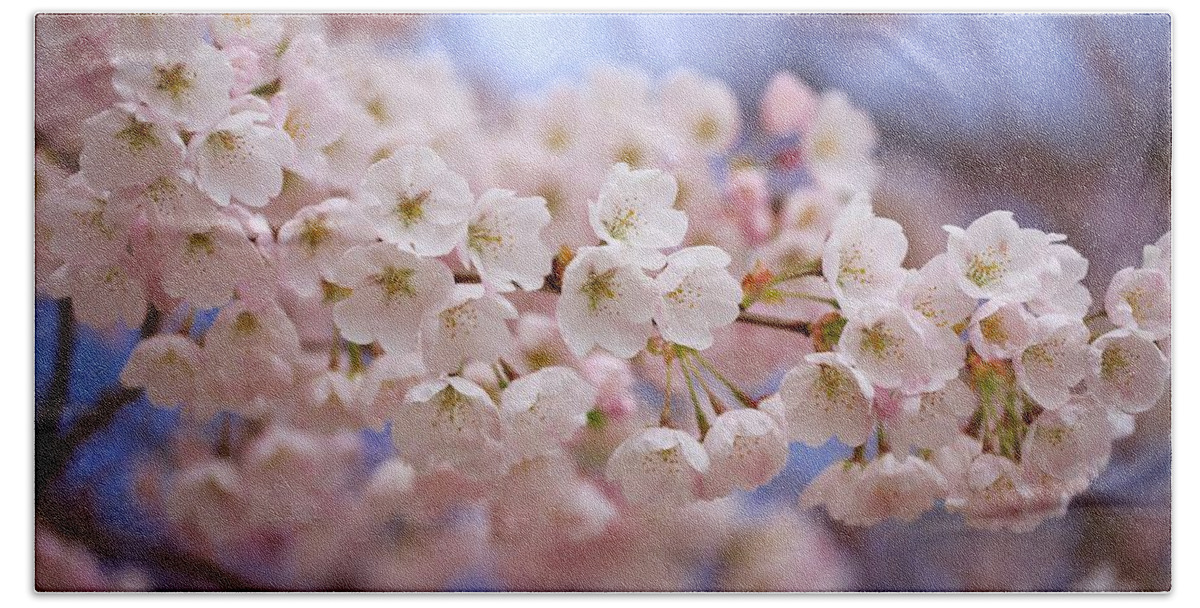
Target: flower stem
(741, 396)
(701, 419)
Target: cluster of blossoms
(500, 300)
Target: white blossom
(1062, 290)
(606, 301)
(82, 225)
(936, 421)
(996, 258)
(189, 89)
(503, 241)
(544, 409)
(697, 295)
(1072, 441)
(894, 487)
(121, 150)
(248, 362)
(999, 330)
(416, 201)
(892, 350)
(166, 366)
(825, 398)
(450, 422)
(1057, 359)
(1158, 255)
(746, 449)
(241, 158)
(469, 325)
(316, 237)
(103, 291)
(934, 293)
(206, 264)
(391, 291)
(658, 468)
(840, 145)
(862, 257)
(1140, 299)
(703, 111)
(1130, 373)
(634, 208)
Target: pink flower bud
(788, 106)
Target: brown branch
(53, 451)
(751, 318)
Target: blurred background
(1063, 119)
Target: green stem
(741, 396)
(808, 296)
(718, 407)
(664, 418)
(701, 419)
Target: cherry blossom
(635, 208)
(449, 422)
(1056, 359)
(503, 240)
(607, 301)
(311, 243)
(658, 468)
(936, 420)
(788, 105)
(1140, 299)
(999, 331)
(840, 144)
(544, 409)
(705, 111)
(824, 398)
(205, 264)
(746, 448)
(697, 295)
(862, 257)
(1130, 373)
(121, 149)
(996, 258)
(190, 89)
(469, 324)
(103, 291)
(417, 202)
(893, 487)
(390, 292)
(248, 363)
(1075, 440)
(893, 351)
(166, 366)
(241, 158)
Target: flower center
(706, 129)
(396, 281)
(599, 287)
(138, 135)
(621, 223)
(201, 242)
(174, 80)
(410, 209)
(314, 233)
(878, 340)
(988, 266)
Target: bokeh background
(1063, 119)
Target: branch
(52, 451)
(80, 526)
(751, 318)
